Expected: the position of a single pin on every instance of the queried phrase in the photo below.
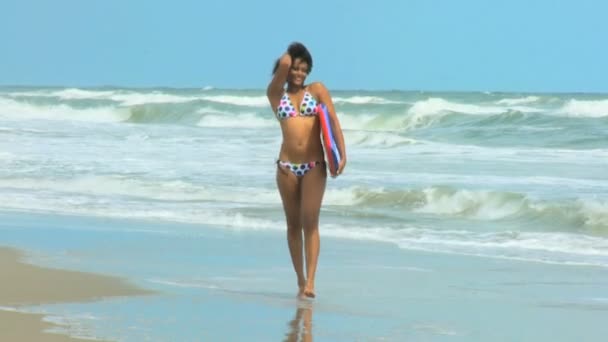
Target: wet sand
(24, 284)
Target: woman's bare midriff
(301, 140)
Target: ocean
(481, 179)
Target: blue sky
(466, 45)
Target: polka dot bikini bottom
(298, 169)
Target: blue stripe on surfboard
(333, 146)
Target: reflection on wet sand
(300, 327)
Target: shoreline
(26, 284)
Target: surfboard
(329, 140)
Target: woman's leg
(289, 189)
(313, 189)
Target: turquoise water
(495, 196)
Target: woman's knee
(294, 221)
(294, 231)
(310, 225)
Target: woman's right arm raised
(275, 87)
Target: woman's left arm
(325, 97)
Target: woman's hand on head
(286, 59)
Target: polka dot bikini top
(286, 109)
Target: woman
(301, 172)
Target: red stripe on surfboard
(326, 130)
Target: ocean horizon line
(362, 90)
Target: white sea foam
(596, 212)
(80, 94)
(186, 284)
(8, 308)
(133, 188)
(67, 93)
(559, 248)
(123, 97)
(14, 110)
(517, 101)
(515, 154)
(74, 325)
(435, 106)
(6, 156)
(361, 100)
(150, 98)
(474, 204)
(105, 195)
(129, 97)
(242, 120)
(249, 101)
(378, 139)
(585, 108)
(565, 248)
(427, 112)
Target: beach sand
(23, 284)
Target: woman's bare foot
(301, 289)
(309, 291)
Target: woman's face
(298, 72)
